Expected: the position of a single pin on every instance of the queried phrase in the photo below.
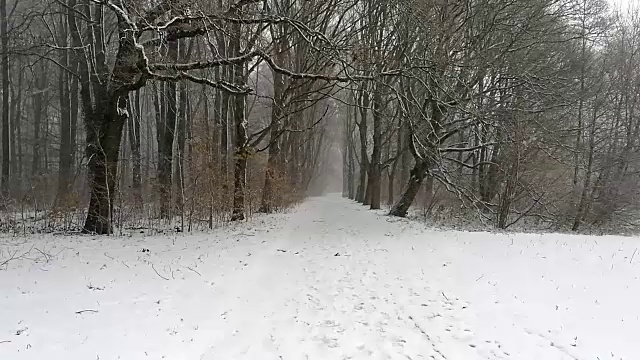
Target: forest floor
(330, 280)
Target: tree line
(122, 111)
(505, 111)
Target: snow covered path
(331, 280)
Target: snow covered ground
(331, 280)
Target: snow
(330, 280)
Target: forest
(147, 113)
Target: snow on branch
(266, 58)
(222, 85)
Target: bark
(14, 133)
(222, 113)
(422, 162)
(222, 104)
(375, 167)
(185, 55)
(364, 159)
(104, 97)
(400, 151)
(242, 151)
(166, 135)
(4, 35)
(508, 192)
(268, 201)
(405, 158)
(488, 176)
(73, 113)
(241, 154)
(181, 128)
(45, 143)
(578, 141)
(586, 187)
(390, 187)
(135, 115)
(367, 191)
(104, 132)
(65, 157)
(416, 177)
(351, 170)
(18, 129)
(164, 132)
(345, 156)
(39, 112)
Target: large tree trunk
(65, 158)
(73, 115)
(104, 97)
(181, 128)
(165, 139)
(165, 150)
(586, 187)
(405, 158)
(135, 116)
(364, 160)
(351, 169)
(367, 189)
(104, 132)
(345, 155)
(222, 112)
(394, 167)
(241, 137)
(241, 155)
(390, 189)
(422, 164)
(17, 123)
(183, 110)
(416, 177)
(271, 170)
(4, 35)
(14, 133)
(39, 112)
(375, 167)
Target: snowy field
(331, 280)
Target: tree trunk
(165, 139)
(375, 167)
(364, 161)
(181, 128)
(73, 114)
(390, 187)
(18, 129)
(241, 137)
(345, 164)
(400, 151)
(135, 116)
(104, 132)
(161, 130)
(65, 157)
(582, 205)
(416, 177)
(241, 155)
(367, 189)
(222, 110)
(506, 198)
(4, 35)
(271, 170)
(352, 169)
(39, 112)
(14, 133)
(185, 55)
(405, 158)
